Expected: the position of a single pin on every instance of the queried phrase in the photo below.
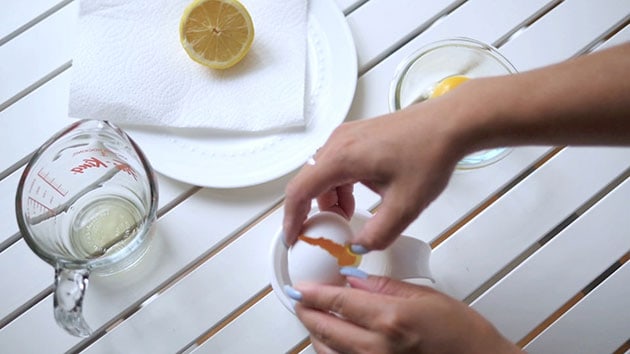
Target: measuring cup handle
(70, 286)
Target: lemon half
(216, 33)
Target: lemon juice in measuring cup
(441, 66)
(104, 226)
(85, 203)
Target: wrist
(470, 118)
(481, 115)
(470, 122)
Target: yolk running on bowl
(344, 256)
(448, 84)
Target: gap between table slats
(528, 22)
(545, 239)
(493, 198)
(35, 85)
(403, 41)
(572, 301)
(170, 282)
(510, 35)
(548, 237)
(48, 290)
(616, 28)
(301, 346)
(624, 348)
(228, 319)
(33, 22)
(352, 7)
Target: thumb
(389, 286)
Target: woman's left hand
(382, 315)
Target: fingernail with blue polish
(292, 293)
(353, 272)
(358, 249)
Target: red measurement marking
(40, 204)
(57, 188)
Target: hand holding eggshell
(322, 249)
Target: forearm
(584, 101)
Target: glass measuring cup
(85, 203)
(419, 73)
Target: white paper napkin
(129, 67)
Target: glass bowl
(419, 73)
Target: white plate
(231, 160)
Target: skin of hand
(407, 156)
(392, 155)
(382, 315)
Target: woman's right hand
(406, 157)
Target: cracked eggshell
(310, 263)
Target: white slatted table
(539, 242)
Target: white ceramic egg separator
(406, 258)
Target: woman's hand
(406, 157)
(382, 315)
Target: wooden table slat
(29, 276)
(225, 289)
(594, 325)
(8, 187)
(562, 268)
(374, 36)
(47, 112)
(517, 220)
(38, 51)
(568, 28)
(16, 14)
(287, 331)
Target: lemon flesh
(216, 33)
(447, 85)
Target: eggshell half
(310, 263)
